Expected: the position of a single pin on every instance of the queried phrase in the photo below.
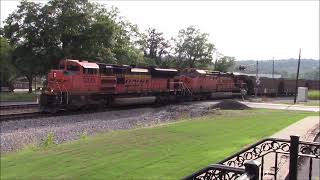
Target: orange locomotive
(79, 84)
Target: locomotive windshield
(73, 68)
(61, 66)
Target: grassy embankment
(169, 151)
(314, 94)
(18, 96)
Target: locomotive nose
(55, 81)
(56, 74)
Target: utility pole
(297, 78)
(273, 90)
(273, 68)
(257, 78)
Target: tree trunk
(30, 83)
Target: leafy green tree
(76, 29)
(192, 48)
(23, 32)
(312, 75)
(98, 33)
(7, 70)
(154, 46)
(72, 26)
(224, 63)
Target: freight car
(276, 86)
(80, 84)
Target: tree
(98, 33)
(154, 46)
(312, 75)
(224, 63)
(23, 32)
(192, 48)
(78, 29)
(7, 70)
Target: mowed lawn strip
(18, 96)
(165, 152)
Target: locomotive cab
(71, 79)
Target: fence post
(294, 150)
(252, 169)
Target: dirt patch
(230, 104)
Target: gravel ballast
(20, 133)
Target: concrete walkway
(282, 106)
(7, 103)
(307, 129)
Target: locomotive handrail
(186, 87)
(59, 90)
(67, 94)
(183, 87)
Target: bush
(314, 94)
(84, 135)
(49, 141)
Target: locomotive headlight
(51, 90)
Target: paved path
(303, 128)
(282, 106)
(307, 129)
(17, 103)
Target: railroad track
(19, 116)
(37, 114)
(19, 111)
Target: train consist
(82, 84)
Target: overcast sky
(243, 29)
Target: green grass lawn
(314, 94)
(18, 96)
(169, 151)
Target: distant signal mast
(252, 67)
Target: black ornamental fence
(255, 161)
